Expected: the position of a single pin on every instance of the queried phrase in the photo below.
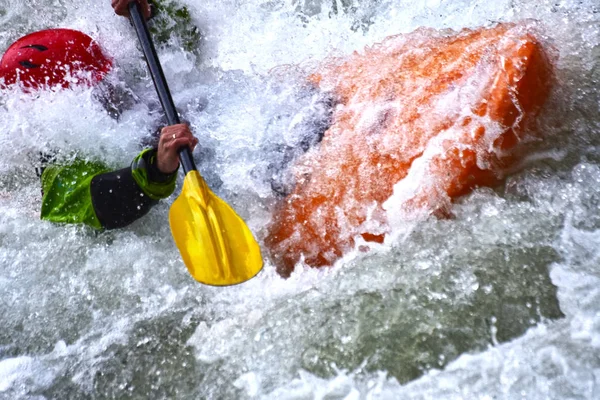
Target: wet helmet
(54, 57)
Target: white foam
(84, 306)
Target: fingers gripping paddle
(216, 245)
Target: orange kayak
(426, 117)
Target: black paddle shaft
(160, 83)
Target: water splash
(114, 314)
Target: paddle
(215, 243)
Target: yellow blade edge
(216, 245)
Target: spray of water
(499, 302)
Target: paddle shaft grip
(158, 77)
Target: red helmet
(54, 57)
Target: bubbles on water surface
(115, 314)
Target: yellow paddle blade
(216, 245)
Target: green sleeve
(67, 197)
(89, 192)
(153, 183)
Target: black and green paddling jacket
(90, 193)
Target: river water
(500, 302)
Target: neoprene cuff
(153, 183)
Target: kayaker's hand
(173, 138)
(121, 7)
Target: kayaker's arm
(121, 7)
(121, 197)
(89, 193)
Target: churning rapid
(500, 301)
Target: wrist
(148, 177)
(165, 169)
(156, 171)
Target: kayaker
(82, 191)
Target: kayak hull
(421, 119)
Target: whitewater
(501, 301)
